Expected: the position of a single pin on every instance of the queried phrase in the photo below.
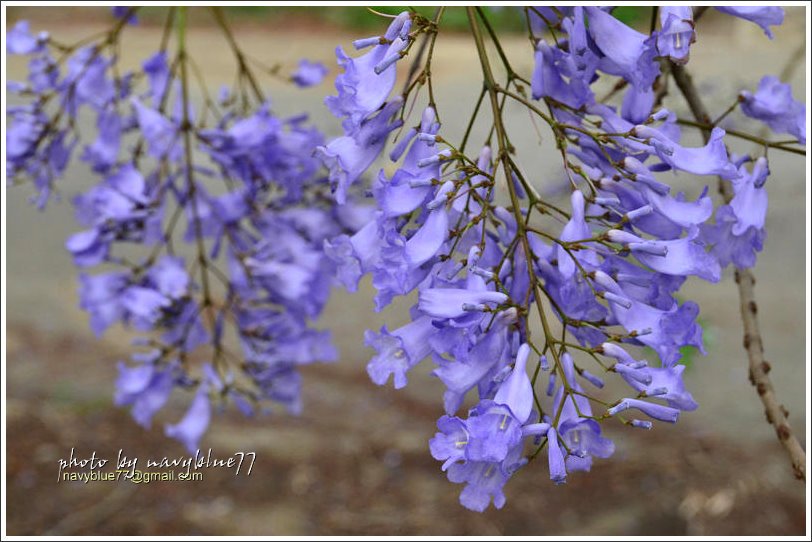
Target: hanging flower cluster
(603, 274)
(204, 231)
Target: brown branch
(753, 343)
(699, 12)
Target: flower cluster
(603, 274)
(224, 307)
(363, 89)
(39, 145)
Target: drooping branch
(745, 281)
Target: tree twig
(753, 343)
(699, 12)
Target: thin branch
(753, 343)
(417, 60)
(655, 12)
(238, 54)
(521, 232)
(699, 12)
(191, 186)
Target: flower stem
(521, 231)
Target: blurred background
(356, 461)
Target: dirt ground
(356, 461)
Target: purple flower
(658, 412)
(637, 104)
(169, 277)
(663, 330)
(144, 306)
(157, 70)
(146, 387)
(86, 81)
(449, 444)
(472, 363)
(270, 218)
(456, 302)
(185, 327)
(43, 73)
(484, 480)
(676, 33)
(764, 16)
(540, 17)
(100, 296)
(583, 438)
(685, 256)
(628, 53)
(428, 239)
(493, 430)
(286, 265)
(354, 255)
(495, 426)
(678, 211)
(516, 392)
(396, 280)
(727, 248)
(555, 458)
(348, 157)
(398, 351)
(309, 73)
(739, 230)
(548, 80)
(89, 247)
(664, 383)
(364, 86)
(22, 138)
(712, 159)
(102, 154)
(162, 135)
(121, 208)
(749, 202)
(411, 183)
(576, 229)
(20, 41)
(773, 105)
(194, 424)
(578, 37)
